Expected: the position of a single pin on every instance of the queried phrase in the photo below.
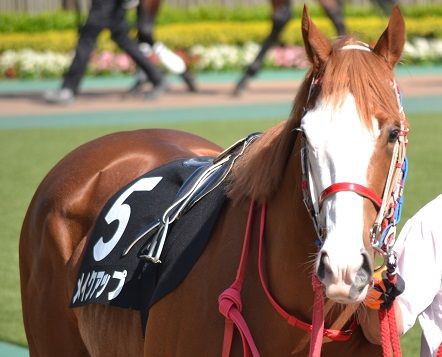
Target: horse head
(351, 125)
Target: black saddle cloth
(107, 276)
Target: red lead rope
(317, 327)
(230, 304)
(389, 335)
(439, 351)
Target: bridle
(382, 235)
(383, 231)
(389, 206)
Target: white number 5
(121, 211)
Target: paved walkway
(103, 101)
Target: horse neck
(289, 243)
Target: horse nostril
(323, 266)
(366, 263)
(365, 272)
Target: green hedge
(184, 35)
(63, 20)
(368, 29)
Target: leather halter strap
(351, 187)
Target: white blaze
(340, 148)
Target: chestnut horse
(348, 111)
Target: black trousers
(145, 23)
(106, 14)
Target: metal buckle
(384, 255)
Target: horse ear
(391, 43)
(317, 46)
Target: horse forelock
(366, 76)
(362, 73)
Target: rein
(335, 335)
(230, 302)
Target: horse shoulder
(187, 321)
(74, 191)
(60, 216)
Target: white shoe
(169, 59)
(60, 96)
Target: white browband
(357, 46)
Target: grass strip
(28, 154)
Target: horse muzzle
(344, 282)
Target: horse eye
(393, 135)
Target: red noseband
(352, 187)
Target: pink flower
(123, 62)
(291, 56)
(105, 61)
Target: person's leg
(281, 15)
(97, 19)
(335, 11)
(386, 5)
(119, 33)
(146, 13)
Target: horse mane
(366, 75)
